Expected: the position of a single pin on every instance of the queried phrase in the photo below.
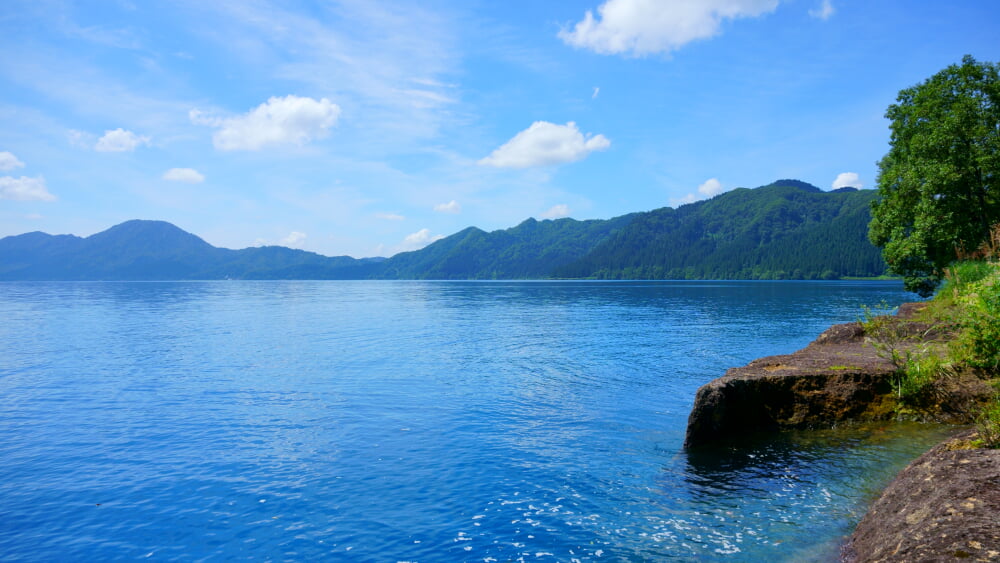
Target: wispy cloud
(556, 212)
(389, 216)
(644, 27)
(9, 162)
(91, 92)
(186, 175)
(294, 239)
(388, 62)
(80, 139)
(104, 35)
(824, 11)
(545, 143)
(418, 240)
(452, 207)
(24, 189)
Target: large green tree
(939, 183)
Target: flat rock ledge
(837, 378)
(945, 506)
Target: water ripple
(412, 421)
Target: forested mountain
(151, 250)
(529, 250)
(787, 230)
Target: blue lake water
(415, 421)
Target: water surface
(414, 421)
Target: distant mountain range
(785, 230)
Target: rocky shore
(945, 506)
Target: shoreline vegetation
(937, 360)
(937, 219)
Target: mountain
(150, 250)
(529, 250)
(786, 230)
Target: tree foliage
(939, 181)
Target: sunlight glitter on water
(414, 421)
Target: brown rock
(945, 506)
(836, 378)
(839, 377)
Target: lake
(415, 421)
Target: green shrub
(962, 274)
(917, 371)
(988, 424)
(980, 339)
(886, 333)
(917, 382)
(983, 330)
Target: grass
(968, 302)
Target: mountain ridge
(786, 230)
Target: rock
(836, 378)
(945, 506)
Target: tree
(939, 184)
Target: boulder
(945, 506)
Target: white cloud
(279, 121)
(293, 239)
(545, 143)
(418, 240)
(24, 189)
(186, 175)
(9, 162)
(824, 11)
(452, 207)
(847, 180)
(120, 140)
(556, 212)
(643, 27)
(711, 188)
(389, 216)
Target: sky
(368, 127)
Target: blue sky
(366, 128)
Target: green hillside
(786, 230)
(529, 250)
